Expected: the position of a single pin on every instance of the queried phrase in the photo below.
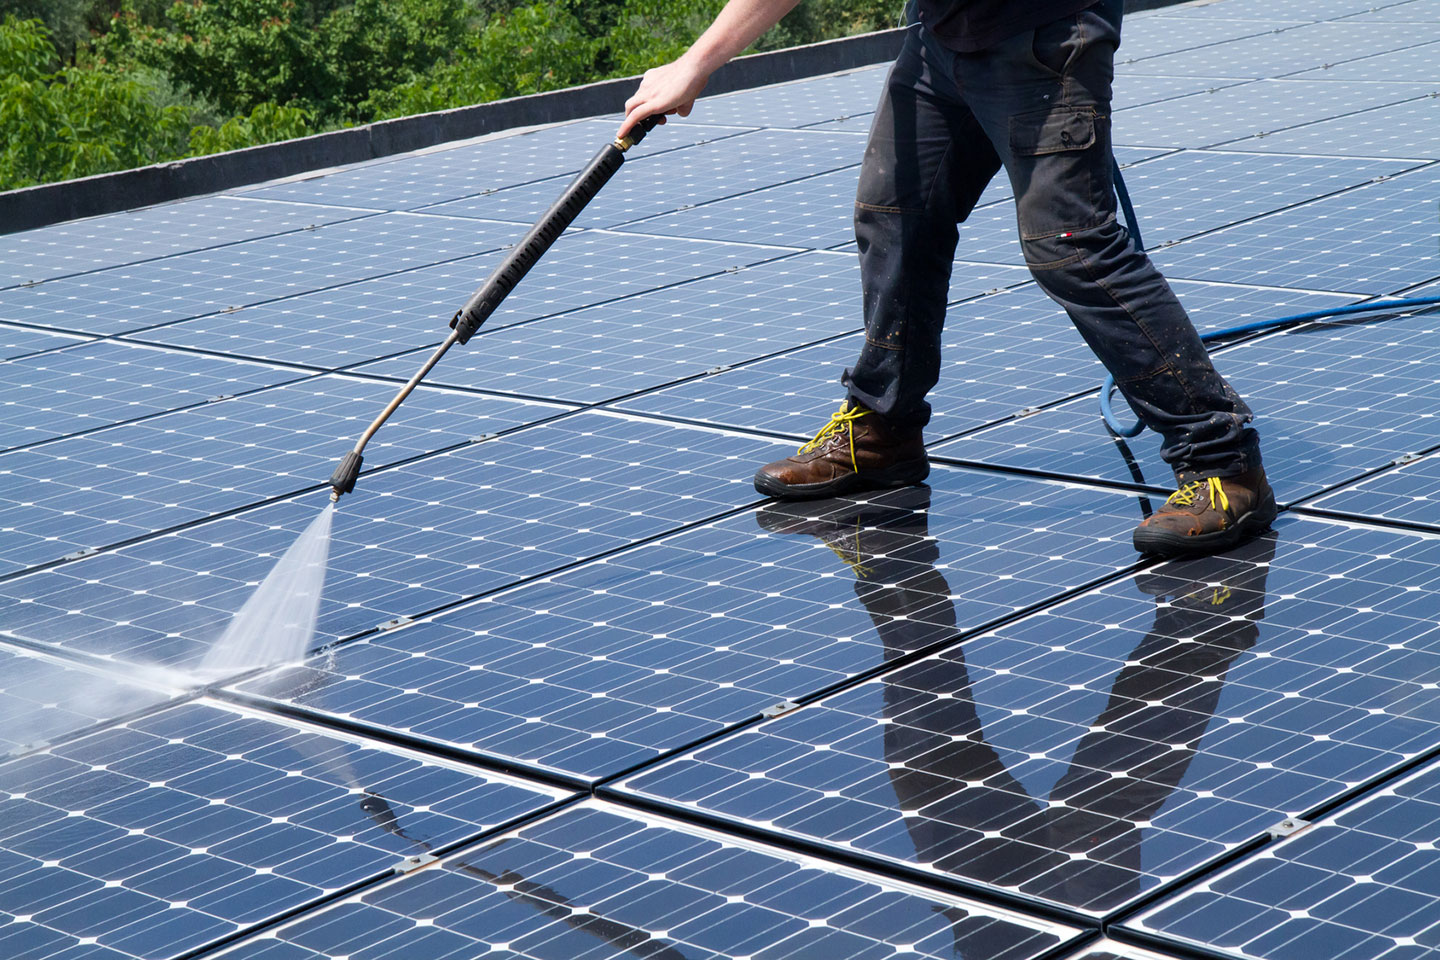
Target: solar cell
(1360, 883)
(1285, 51)
(796, 104)
(465, 169)
(1089, 753)
(591, 671)
(83, 246)
(158, 836)
(858, 124)
(96, 384)
(1262, 109)
(678, 179)
(114, 485)
(213, 281)
(1409, 493)
(1402, 130)
(1376, 239)
(597, 880)
(408, 540)
(608, 351)
(1332, 402)
(357, 322)
(1001, 355)
(43, 699)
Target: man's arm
(674, 87)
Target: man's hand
(674, 87)
(671, 88)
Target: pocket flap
(1056, 130)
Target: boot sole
(900, 475)
(1171, 546)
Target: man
(981, 84)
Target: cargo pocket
(1055, 130)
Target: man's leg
(926, 163)
(1044, 101)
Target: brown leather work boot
(856, 450)
(1209, 515)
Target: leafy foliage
(74, 122)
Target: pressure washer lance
(510, 272)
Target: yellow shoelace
(852, 557)
(1186, 495)
(842, 419)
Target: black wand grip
(556, 220)
(529, 250)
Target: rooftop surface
(585, 694)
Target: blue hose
(1108, 412)
(1391, 306)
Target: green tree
(532, 48)
(74, 122)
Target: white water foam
(277, 624)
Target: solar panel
(598, 880)
(161, 835)
(1186, 193)
(1285, 51)
(88, 492)
(1130, 90)
(1403, 130)
(798, 214)
(1360, 883)
(84, 246)
(1160, 34)
(215, 281)
(353, 323)
(1405, 494)
(588, 672)
(1262, 109)
(423, 535)
(1411, 11)
(22, 341)
(96, 384)
(1002, 356)
(678, 179)
(465, 169)
(614, 349)
(1332, 402)
(44, 699)
(1294, 9)
(1404, 65)
(796, 104)
(1087, 754)
(1377, 239)
(995, 693)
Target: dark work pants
(1037, 104)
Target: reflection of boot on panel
(886, 543)
(1141, 746)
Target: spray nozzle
(345, 475)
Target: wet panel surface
(600, 881)
(1085, 755)
(164, 834)
(591, 671)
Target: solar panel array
(576, 690)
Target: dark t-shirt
(970, 25)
